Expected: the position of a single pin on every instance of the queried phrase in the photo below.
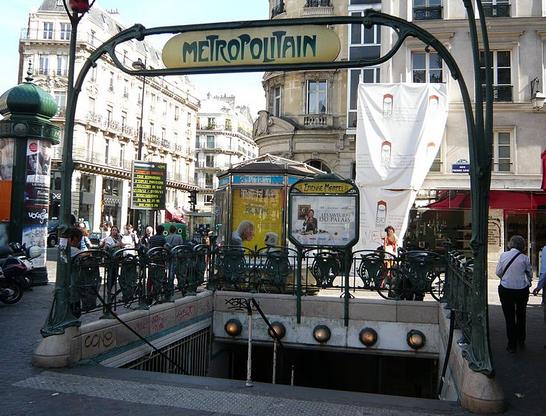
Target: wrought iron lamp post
(139, 65)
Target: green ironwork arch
(478, 353)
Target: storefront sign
(252, 46)
(323, 187)
(257, 180)
(148, 185)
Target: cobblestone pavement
(85, 391)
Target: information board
(323, 212)
(149, 183)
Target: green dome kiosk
(26, 139)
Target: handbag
(509, 264)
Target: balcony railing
(244, 132)
(113, 125)
(278, 9)
(317, 121)
(497, 10)
(46, 35)
(427, 13)
(128, 131)
(94, 117)
(501, 93)
(318, 3)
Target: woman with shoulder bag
(514, 270)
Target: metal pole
(137, 218)
(60, 316)
(249, 354)
(298, 285)
(292, 375)
(274, 376)
(346, 289)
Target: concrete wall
(392, 320)
(106, 338)
(476, 392)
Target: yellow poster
(263, 208)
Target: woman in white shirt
(113, 241)
(514, 270)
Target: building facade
(224, 138)
(518, 52)
(111, 109)
(307, 120)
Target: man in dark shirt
(158, 240)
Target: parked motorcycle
(11, 290)
(15, 264)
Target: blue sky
(247, 87)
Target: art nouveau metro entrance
(300, 44)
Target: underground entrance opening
(307, 367)
(338, 370)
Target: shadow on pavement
(523, 374)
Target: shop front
(510, 213)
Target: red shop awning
(171, 216)
(508, 200)
(460, 200)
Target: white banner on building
(379, 208)
(400, 128)
(399, 131)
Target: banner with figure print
(399, 131)
(380, 208)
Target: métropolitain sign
(252, 46)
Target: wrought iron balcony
(496, 10)
(128, 131)
(278, 9)
(427, 13)
(318, 3)
(94, 117)
(41, 34)
(501, 93)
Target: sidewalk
(522, 375)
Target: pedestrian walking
(514, 270)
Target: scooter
(15, 267)
(11, 290)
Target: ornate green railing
(472, 321)
(131, 278)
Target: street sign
(252, 46)
(149, 185)
(462, 166)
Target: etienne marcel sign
(252, 46)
